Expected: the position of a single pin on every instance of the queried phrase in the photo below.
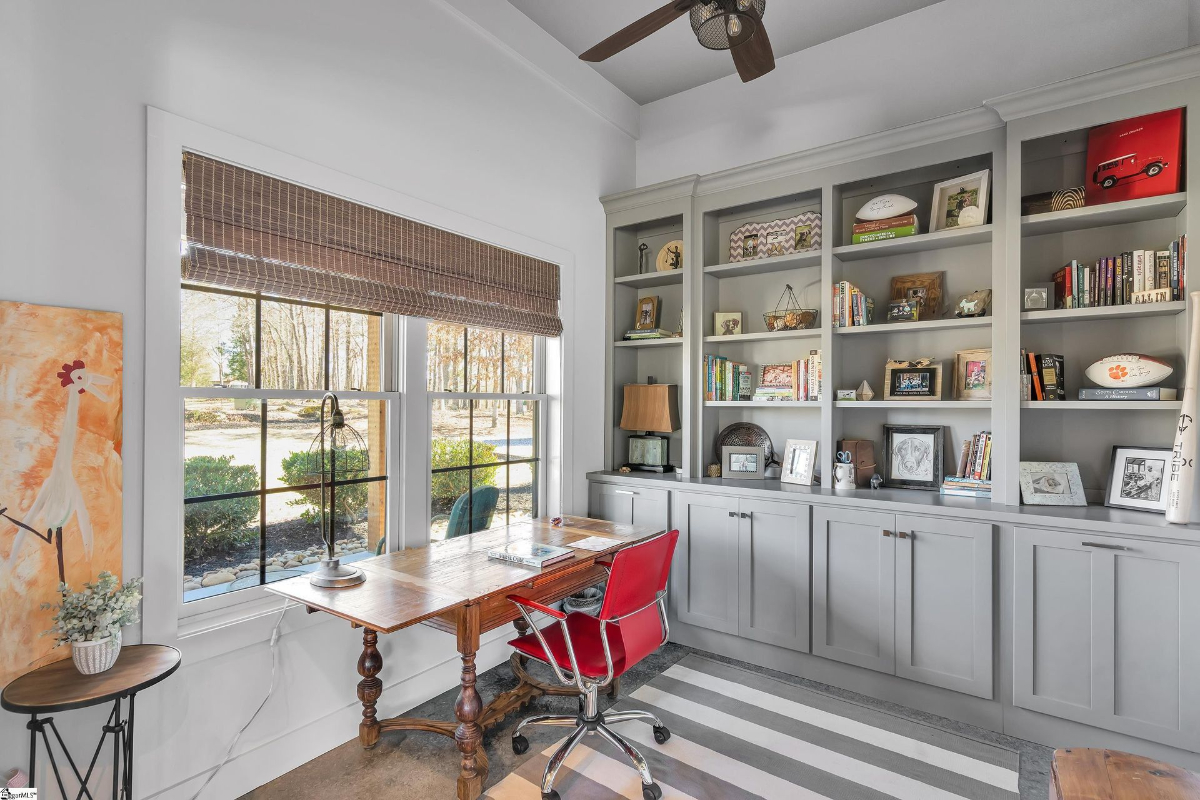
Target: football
(1128, 370)
(886, 206)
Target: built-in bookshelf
(1031, 153)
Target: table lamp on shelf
(653, 408)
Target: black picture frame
(936, 454)
(900, 382)
(1158, 506)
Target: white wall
(408, 95)
(941, 59)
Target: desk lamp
(338, 453)
(653, 408)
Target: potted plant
(91, 620)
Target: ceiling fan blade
(754, 57)
(634, 33)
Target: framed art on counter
(799, 461)
(914, 456)
(1137, 480)
(1051, 483)
(743, 463)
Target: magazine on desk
(531, 554)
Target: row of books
(851, 308)
(726, 380)
(1042, 376)
(649, 333)
(1132, 277)
(974, 475)
(878, 230)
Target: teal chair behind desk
(483, 506)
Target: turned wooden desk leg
(468, 708)
(369, 688)
(522, 628)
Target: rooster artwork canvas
(60, 466)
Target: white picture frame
(1051, 483)
(976, 182)
(799, 462)
(1138, 478)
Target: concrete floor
(417, 766)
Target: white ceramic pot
(92, 658)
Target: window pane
(483, 360)
(444, 348)
(220, 546)
(523, 429)
(354, 351)
(366, 422)
(489, 431)
(488, 490)
(293, 346)
(522, 492)
(220, 446)
(518, 363)
(293, 533)
(450, 422)
(293, 446)
(216, 339)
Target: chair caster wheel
(550, 795)
(661, 734)
(651, 792)
(520, 744)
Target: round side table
(60, 687)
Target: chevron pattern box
(779, 238)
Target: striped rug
(736, 735)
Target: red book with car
(1133, 158)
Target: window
(486, 407)
(253, 371)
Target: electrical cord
(270, 691)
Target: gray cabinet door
(854, 563)
(775, 541)
(1105, 633)
(944, 603)
(629, 505)
(705, 576)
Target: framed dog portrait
(913, 456)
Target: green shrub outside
(349, 501)
(446, 487)
(224, 524)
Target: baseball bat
(1183, 453)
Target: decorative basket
(788, 315)
(92, 658)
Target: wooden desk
(453, 586)
(1081, 773)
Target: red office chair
(588, 652)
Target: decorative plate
(670, 257)
(744, 434)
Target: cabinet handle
(733, 513)
(887, 533)
(745, 515)
(623, 491)
(1106, 546)
(905, 535)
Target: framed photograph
(912, 380)
(904, 311)
(913, 456)
(973, 374)
(776, 376)
(1051, 483)
(647, 313)
(743, 463)
(1037, 297)
(846, 394)
(960, 203)
(923, 288)
(1138, 479)
(799, 461)
(727, 323)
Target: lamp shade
(650, 407)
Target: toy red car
(1109, 173)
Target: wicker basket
(788, 315)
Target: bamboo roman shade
(256, 233)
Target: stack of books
(1132, 277)
(974, 476)
(1042, 377)
(726, 380)
(851, 308)
(880, 229)
(648, 333)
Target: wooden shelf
(649, 279)
(940, 240)
(1105, 312)
(811, 333)
(1165, 206)
(940, 405)
(674, 341)
(1104, 405)
(760, 266)
(814, 404)
(913, 327)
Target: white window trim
(205, 632)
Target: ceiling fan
(733, 25)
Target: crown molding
(1174, 66)
(649, 195)
(929, 131)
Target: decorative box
(862, 456)
(779, 238)
(1062, 200)
(1133, 158)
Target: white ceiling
(672, 61)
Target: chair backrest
(638, 574)
(483, 505)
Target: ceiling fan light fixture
(718, 25)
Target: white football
(1128, 370)
(886, 206)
